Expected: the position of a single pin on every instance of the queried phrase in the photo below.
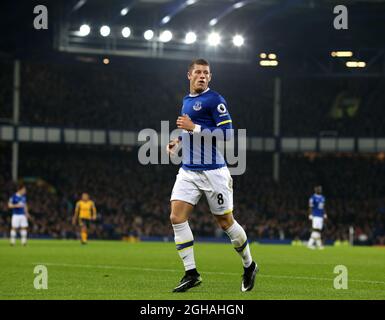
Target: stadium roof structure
(295, 30)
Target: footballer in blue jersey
(317, 214)
(20, 215)
(208, 111)
(204, 117)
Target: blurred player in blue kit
(317, 214)
(20, 215)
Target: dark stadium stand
(133, 199)
(108, 97)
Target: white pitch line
(206, 272)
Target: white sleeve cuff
(197, 128)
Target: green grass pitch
(148, 270)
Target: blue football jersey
(15, 199)
(317, 203)
(208, 110)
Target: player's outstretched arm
(310, 214)
(27, 214)
(310, 210)
(76, 214)
(94, 212)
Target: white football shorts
(217, 185)
(19, 221)
(318, 223)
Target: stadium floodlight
(214, 39)
(355, 64)
(351, 64)
(105, 31)
(106, 61)
(190, 38)
(268, 63)
(148, 35)
(84, 30)
(263, 55)
(238, 5)
(213, 22)
(124, 11)
(272, 56)
(126, 32)
(238, 40)
(361, 64)
(165, 36)
(166, 19)
(342, 54)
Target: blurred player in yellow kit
(85, 211)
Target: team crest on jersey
(221, 108)
(197, 106)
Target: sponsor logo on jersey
(221, 108)
(197, 106)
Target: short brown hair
(20, 185)
(201, 62)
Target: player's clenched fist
(184, 122)
(172, 146)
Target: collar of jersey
(198, 94)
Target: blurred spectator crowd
(133, 199)
(140, 94)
